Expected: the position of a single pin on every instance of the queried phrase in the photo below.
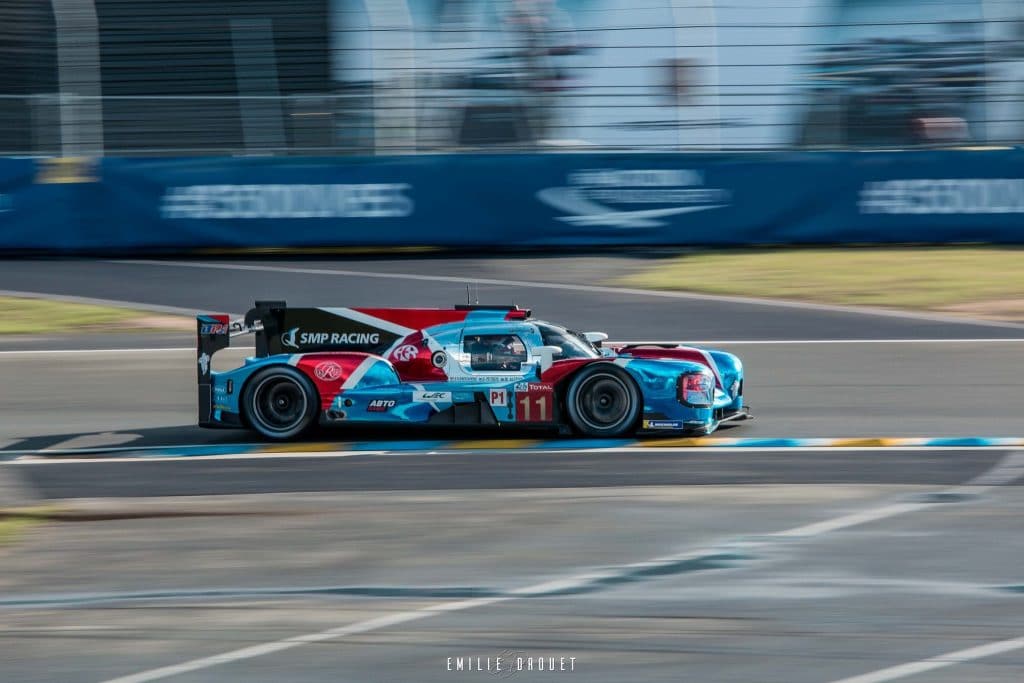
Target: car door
(491, 359)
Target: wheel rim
(279, 404)
(603, 402)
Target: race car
(465, 365)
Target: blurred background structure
(228, 77)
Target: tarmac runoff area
(880, 560)
(738, 582)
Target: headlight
(696, 389)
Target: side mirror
(545, 356)
(595, 338)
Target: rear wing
(214, 332)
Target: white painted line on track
(174, 349)
(357, 628)
(850, 520)
(43, 460)
(751, 301)
(940, 662)
(44, 457)
(1007, 471)
(587, 578)
(715, 342)
(91, 301)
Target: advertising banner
(515, 201)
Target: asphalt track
(789, 565)
(480, 469)
(919, 382)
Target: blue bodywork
(531, 395)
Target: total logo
(295, 338)
(379, 405)
(591, 196)
(529, 387)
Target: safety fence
(511, 201)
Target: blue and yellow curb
(522, 444)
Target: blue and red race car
(466, 365)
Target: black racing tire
(280, 403)
(603, 401)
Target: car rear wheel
(603, 400)
(280, 403)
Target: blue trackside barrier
(525, 200)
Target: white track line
(45, 458)
(1009, 470)
(92, 301)
(776, 303)
(1006, 471)
(557, 584)
(176, 349)
(852, 519)
(949, 659)
(295, 641)
(716, 342)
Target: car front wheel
(603, 400)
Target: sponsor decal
(608, 197)
(213, 328)
(497, 397)
(535, 403)
(295, 338)
(328, 371)
(663, 424)
(943, 196)
(204, 363)
(522, 387)
(432, 396)
(405, 353)
(365, 200)
(489, 379)
(439, 359)
(379, 405)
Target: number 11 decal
(536, 405)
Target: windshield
(572, 343)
